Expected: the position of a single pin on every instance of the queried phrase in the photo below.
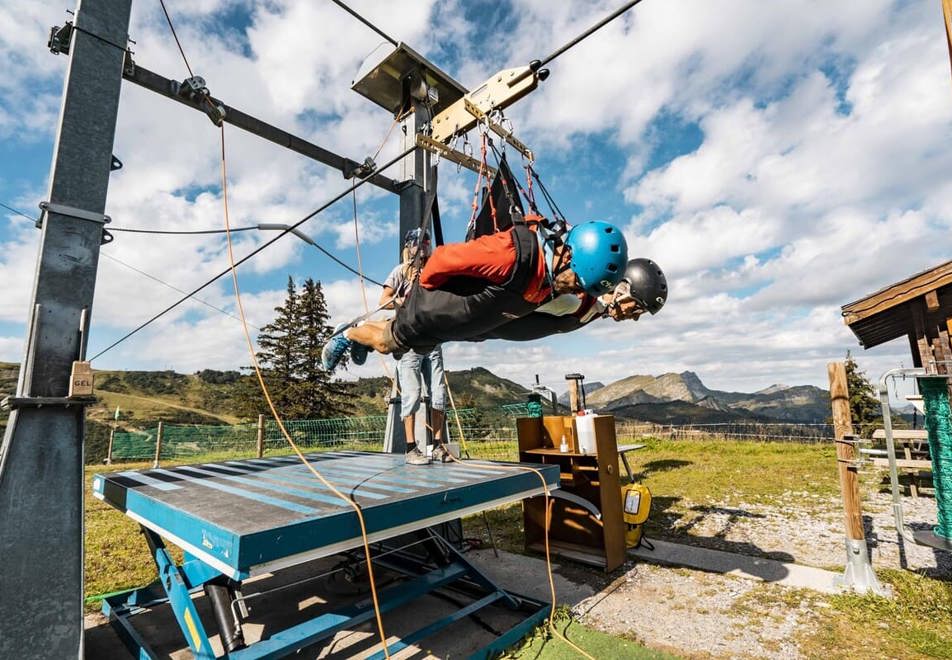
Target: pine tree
(316, 394)
(864, 406)
(279, 354)
(290, 360)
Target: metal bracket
(60, 36)
(450, 154)
(854, 442)
(116, 164)
(71, 212)
(15, 402)
(194, 89)
(497, 93)
(498, 129)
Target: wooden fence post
(260, 436)
(158, 446)
(859, 574)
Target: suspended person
(415, 368)
(643, 288)
(467, 290)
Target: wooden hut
(919, 307)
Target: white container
(585, 432)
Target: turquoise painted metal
(236, 519)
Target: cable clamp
(359, 170)
(60, 36)
(195, 90)
(71, 212)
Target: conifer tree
(864, 406)
(316, 394)
(279, 352)
(290, 360)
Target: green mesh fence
(935, 396)
(184, 441)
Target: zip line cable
(365, 22)
(141, 272)
(260, 248)
(589, 32)
(325, 251)
(171, 286)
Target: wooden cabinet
(574, 532)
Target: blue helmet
(599, 256)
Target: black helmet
(648, 285)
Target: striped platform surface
(246, 517)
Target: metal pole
(420, 179)
(859, 574)
(41, 460)
(260, 436)
(158, 446)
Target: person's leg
(409, 371)
(437, 392)
(374, 334)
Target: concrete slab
(729, 563)
(280, 609)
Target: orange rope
(277, 416)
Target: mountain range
(683, 398)
(208, 397)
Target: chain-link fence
(493, 440)
(176, 442)
(753, 431)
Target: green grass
(733, 472)
(683, 475)
(686, 475)
(915, 623)
(543, 645)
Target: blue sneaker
(335, 350)
(358, 353)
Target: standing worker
(415, 368)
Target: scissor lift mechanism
(238, 519)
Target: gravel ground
(698, 615)
(807, 529)
(704, 615)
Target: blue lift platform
(243, 518)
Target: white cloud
(810, 187)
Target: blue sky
(777, 159)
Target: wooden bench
(915, 454)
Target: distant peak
(776, 387)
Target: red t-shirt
(489, 258)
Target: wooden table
(574, 532)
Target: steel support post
(420, 179)
(41, 459)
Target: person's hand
(622, 305)
(625, 308)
